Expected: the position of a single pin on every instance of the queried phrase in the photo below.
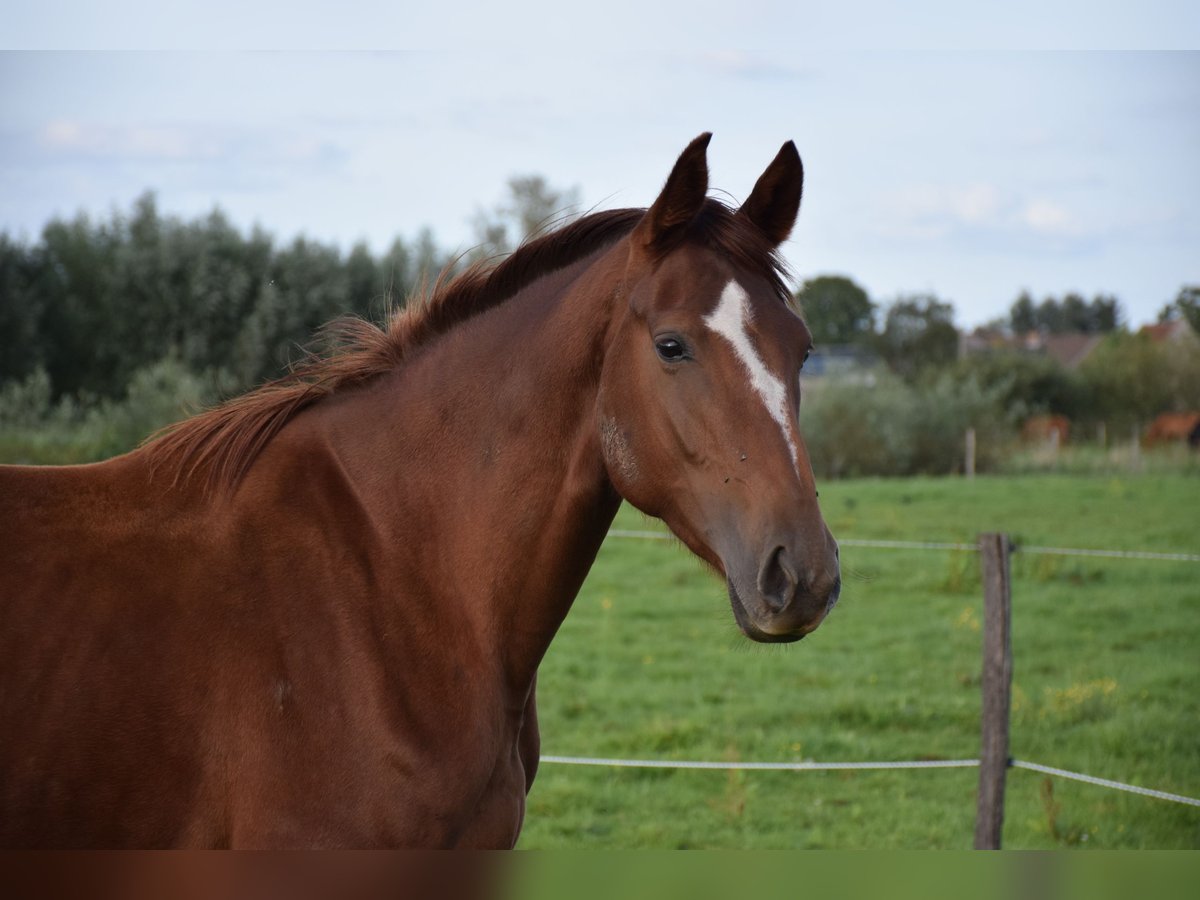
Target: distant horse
(1046, 429)
(313, 616)
(1174, 427)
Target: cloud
(1047, 217)
(932, 212)
(72, 138)
(75, 140)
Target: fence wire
(1103, 782)
(907, 764)
(951, 545)
(808, 766)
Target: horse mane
(224, 441)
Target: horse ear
(775, 200)
(681, 199)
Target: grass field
(1107, 667)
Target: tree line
(908, 412)
(93, 301)
(121, 319)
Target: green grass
(1107, 665)
(1121, 458)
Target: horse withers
(313, 616)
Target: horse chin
(749, 628)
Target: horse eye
(669, 349)
(807, 354)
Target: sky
(1052, 151)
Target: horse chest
(347, 779)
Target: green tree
(82, 336)
(531, 206)
(365, 286)
(310, 287)
(1022, 315)
(1132, 378)
(397, 273)
(1073, 313)
(93, 302)
(837, 310)
(427, 259)
(1106, 315)
(1051, 317)
(20, 345)
(1186, 305)
(1076, 314)
(1027, 384)
(918, 334)
(217, 277)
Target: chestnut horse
(313, 616)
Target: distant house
(1170, 331)
(1069, 349)
(984, 339)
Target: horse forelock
(222, 443)
(741, 243)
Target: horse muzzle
(786, 599)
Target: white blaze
(729, 320)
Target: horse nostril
(777, 580)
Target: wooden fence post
(969, 462)
(997, 688)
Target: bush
(159, 394)
(1029, 384)
(34, 429)
(1134, 379)
(892, 428)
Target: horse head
(700, 390)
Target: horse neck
(480, 462)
